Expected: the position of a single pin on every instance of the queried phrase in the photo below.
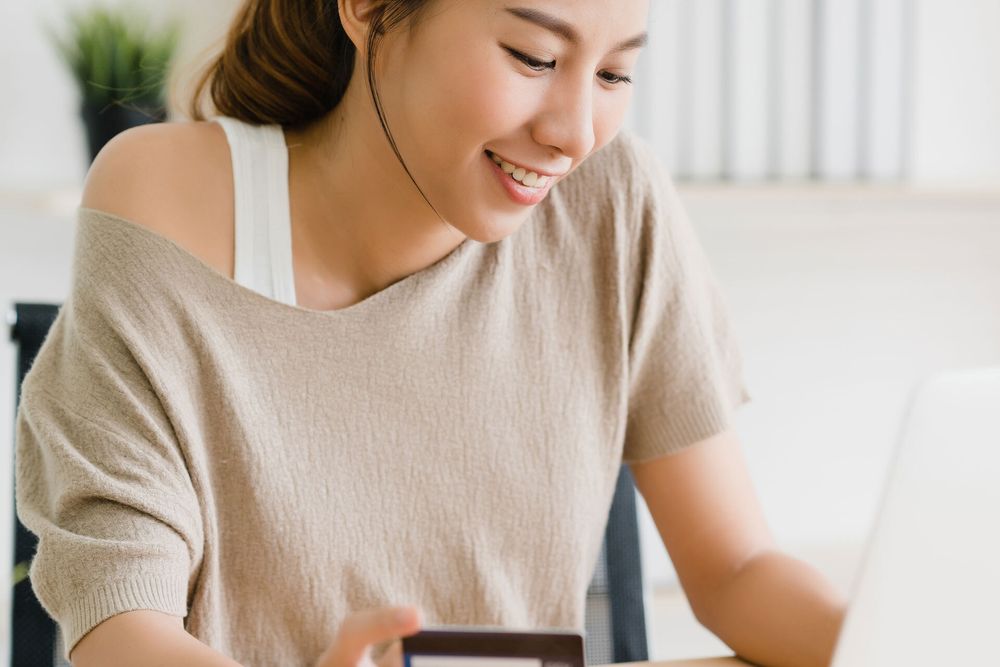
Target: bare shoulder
(176, 180)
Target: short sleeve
(685, 366)
(100, 480)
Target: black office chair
(616, 611)
(33, 633)
(615, 617)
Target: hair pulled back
(289, 62)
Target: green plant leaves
(21, 572)
(114, 57)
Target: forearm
(778, 611)
(142, 638)
(187, 651)
(174, 651)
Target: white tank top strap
(263, 249)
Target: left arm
(769, 607)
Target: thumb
(362, 629)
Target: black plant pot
(105, 121)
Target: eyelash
(538, 66)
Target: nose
(566, 119)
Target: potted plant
(120, 67)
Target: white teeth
(520, 174)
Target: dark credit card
(460, 646)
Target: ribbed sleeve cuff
(675, 432)
(165, 594)
(683, 427)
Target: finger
(393, 655)
(362, 629)
(376, 650)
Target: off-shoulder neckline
(373, 301)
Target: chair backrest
(33, 633)
(615, 614)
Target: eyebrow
(567, 31)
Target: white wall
(956, 133)
(840, 90)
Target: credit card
(469, 646)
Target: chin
(495, 229)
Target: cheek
(468, 100)
(468, 119)
(481, 111)
(609, 116)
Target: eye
(539, 66)
(616, 79)
(536, 65)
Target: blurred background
(840, 160)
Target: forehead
(583, 23)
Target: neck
(358, 222)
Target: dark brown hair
(288, 62)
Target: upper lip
(540, 172)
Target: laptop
(928, 589)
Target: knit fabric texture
(188, 445)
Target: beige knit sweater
(188, 445)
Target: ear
(355, 16)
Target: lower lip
(520, 194)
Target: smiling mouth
(520, 174)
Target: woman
(496, 300)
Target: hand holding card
(362, 630)
(461, 646)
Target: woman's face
(455, 87)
